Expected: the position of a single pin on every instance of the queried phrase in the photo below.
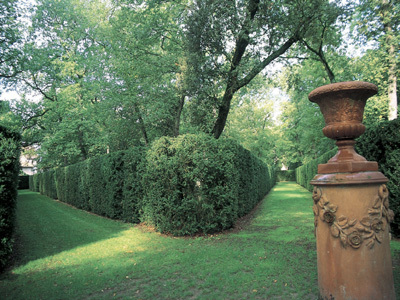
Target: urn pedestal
(351, 204)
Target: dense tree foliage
(378, 21)
(112, 75)
(10, 38)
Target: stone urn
(351, 204)
(342, 105)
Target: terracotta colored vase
(342, 105)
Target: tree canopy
(112, 75)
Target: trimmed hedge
(256, 179)
(106, 185)
(381, 143)
(34, 182)
(184, 185)
(9, 169)
(305, 173)
(196, 183)
(191, 185)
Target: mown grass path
(65, 253)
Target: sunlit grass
(65, 253)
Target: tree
(251, 120)
(10, 39)
(107, 72)
(231, 42)
(301, 138)
(61, 63)
(24, 117)
(323, 45)
(379, 21)
(145, 54)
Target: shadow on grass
(272, 257)
(45, 227)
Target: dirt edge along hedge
(183, 185)
(9, 169)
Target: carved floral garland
(351, 231)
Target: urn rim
(367, 88)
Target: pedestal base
(352, 232)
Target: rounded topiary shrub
(190, 185)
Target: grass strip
(66, 253)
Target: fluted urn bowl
(342, 105)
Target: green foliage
(372, 68)
(34, 182)
(301, 125)
(195, 183)
(10, 38)
(381, 143)
(251, 121)
(191, 185)
(287, 175)
(306, 172)
(113, 176)
(256, 179)
(72, 192)
(377, 22)
(9, 169)
(223, 59)
(107, 69)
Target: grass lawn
(65, 253)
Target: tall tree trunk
(392, 84)
(234, 83)
(82, 144)
(177, 120)
(141, 125)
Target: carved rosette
(353, 232)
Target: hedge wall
(107, 185)
(9, 169)
(184, 185)
(381, 143)
(195, 183)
